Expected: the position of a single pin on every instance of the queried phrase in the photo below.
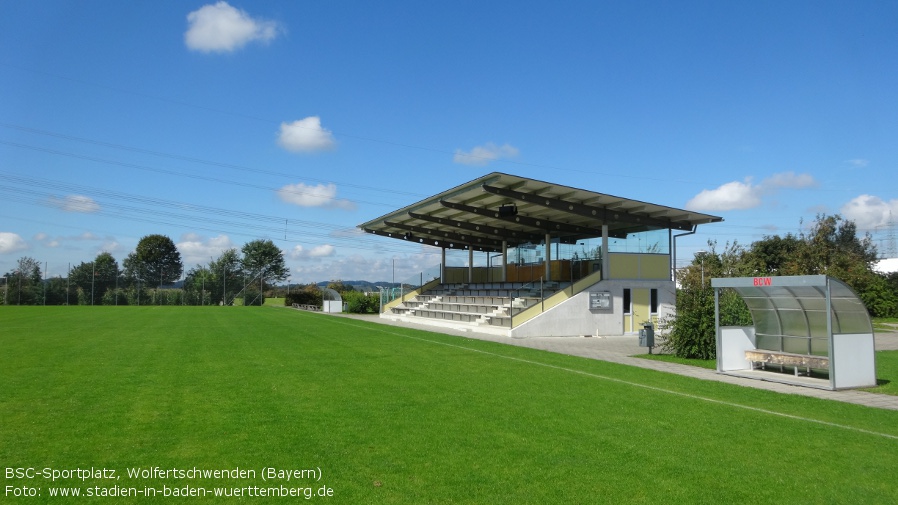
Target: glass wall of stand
(808, 330)
(407, 284)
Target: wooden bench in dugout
(797, 361)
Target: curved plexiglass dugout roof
(797, 305)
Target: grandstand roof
(480, 214)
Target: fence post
(511, 313)
(542, 298)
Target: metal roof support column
(548, 257)
(829, 335)
(442, 265)
(470, 265)
(606, 260)
(718, 337)
(504, 261)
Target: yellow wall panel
(624, 266)
(654, 266)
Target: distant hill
(361, 285)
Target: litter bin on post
(647, 336)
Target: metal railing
(531, 285)
(408, 285)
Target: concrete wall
(574, 317)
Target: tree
(340, 287)
(774, 255)
(24, 283)
(691, 332)
(833, 248)
(830, 247)
(262, 257)
(57, 288)
(96, 278)
(198, 285)
(226, 276)
(156, 261)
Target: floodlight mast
(701, 255)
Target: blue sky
(220, 123)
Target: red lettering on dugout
(763, 281)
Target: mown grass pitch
(392, 415)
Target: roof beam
(447, 237)
(436, 242)
(539, 224)
(601, 214)
(513, 236)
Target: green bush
(361, 303)
(304, 297)
(691, 333)
(114, 297)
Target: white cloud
(322, 251)
(483, 155)
(198, 250)
(789, 180)
(374, 269)
(869, 212)
(110, 246)
(858, 162)
(321, 195)
(76, 203)
(46, 240)
(746, 195)
(86, 236)
(731, 196)
(11, 242)
(221, 28)
(886, 266)
(306, 135)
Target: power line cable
(353, 136)
(287, 190)
(201, 161)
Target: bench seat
(806, 361)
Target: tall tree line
(830, 246)
(154, 264)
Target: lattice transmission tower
(890, 250)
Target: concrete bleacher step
(480, 304)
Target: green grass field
(393, 415)
(886, 368)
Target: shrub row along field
(378, 414)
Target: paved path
(621, 349)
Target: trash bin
(647, 335)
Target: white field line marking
(636, 384)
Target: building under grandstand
(532, 289)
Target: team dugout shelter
(554, 260)
(808, 330)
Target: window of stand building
(647, 242)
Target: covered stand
(812, 327)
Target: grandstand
(627, 282)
